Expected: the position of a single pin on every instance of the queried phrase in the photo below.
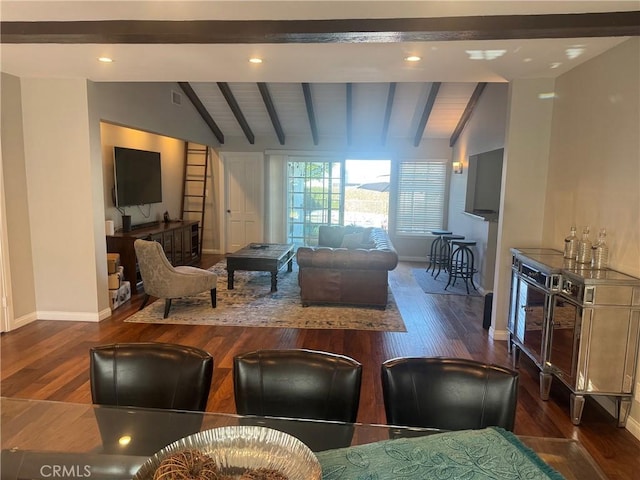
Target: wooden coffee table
(260, 257)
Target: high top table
(38, 434)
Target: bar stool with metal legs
(434, 252)
(461, 265)
(445, 253)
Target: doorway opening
(314, 198)
(367, 192)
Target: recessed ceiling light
(485, 54)
(255, 60)
(412, 58)
(105, 59)
(574, 51)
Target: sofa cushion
(366, 235)
(330, 236)
(352, 240)
(333, 236)
(341, 258)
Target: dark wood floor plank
(437, 325)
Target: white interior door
(244, 199)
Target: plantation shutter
(421, 197)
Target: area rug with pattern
(251, 304)
(432, 285)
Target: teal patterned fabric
(492, 453)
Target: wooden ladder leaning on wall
(194, 187)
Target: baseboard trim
(413, 259)
(634, 427)
(609, 404)
(501, 335)
(22, 321)
(70, 316)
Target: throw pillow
(366, 235)
(352, 240)
(330, 236)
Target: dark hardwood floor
(49, 360)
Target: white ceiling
(354, 62)
(286, 65)
(38, 10)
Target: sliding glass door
(366, 198)
(315, 196)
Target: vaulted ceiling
(358, 113)
(331, 70)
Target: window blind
(421, 197)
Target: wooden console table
(179, 240)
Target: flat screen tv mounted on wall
(138, 177)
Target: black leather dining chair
(297, 383)
(148, 375)
(449, 393)
(152, 375)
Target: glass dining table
(45, 439)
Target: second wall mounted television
(138, 177)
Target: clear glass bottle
(584, 248)
(571, 245)
(600, 251)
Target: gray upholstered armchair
(163, 280)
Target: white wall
(17, 254)
(594, 169)
(148, 107)
(275, 221)
(160, 124)
(59, 191)
(484, 132)
(172, 161)
(573, 160)
(524, 183)
(55, 199)
(215, 215)
(594, 172)
(408, 247)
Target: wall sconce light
(457, 167)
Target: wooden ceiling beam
(466, 115)
(428, 106)
(306, 90)
(271, 110)
(204, 113)
(358, 30)
(387, 113)
(237, 112)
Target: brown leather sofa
(349, 266)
